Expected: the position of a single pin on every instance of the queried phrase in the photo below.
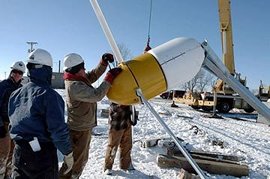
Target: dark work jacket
(6, 88)
(36, 110)
(119, 116)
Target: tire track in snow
(233, 135)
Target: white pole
(107, 31)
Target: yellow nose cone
(142, 72)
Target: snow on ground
(245, 139)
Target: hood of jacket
(41, 76)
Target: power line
(150, 19)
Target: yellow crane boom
(224, 7)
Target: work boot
(108, 172)
(131, 167)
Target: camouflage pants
(80, 141)
(123, 139)
(6, 152)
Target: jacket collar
(72, 77)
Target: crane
(227, 98)
(226, 34)
(225, 23)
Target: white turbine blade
(106, 30)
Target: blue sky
(65, 26)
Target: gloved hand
(111, 74)
(3, 132)
(106, 58)
(69, 161)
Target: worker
(7, 86)
(81, 100)
(37, 123)
(121, 120)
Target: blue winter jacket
(36, 110)
(6, 88)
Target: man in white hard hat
(37, 123)
(81, 99)
(6, 88)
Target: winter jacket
(6, 88)
(36, 110)
(82, 98)
(119, 116)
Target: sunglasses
(17, 71)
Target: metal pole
(215, 66)
(215, 102)
(59, 66)
(182, 149)
(106, 30)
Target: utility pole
(59, 66)
(31, 46)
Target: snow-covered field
(245, 139)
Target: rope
(149, 23)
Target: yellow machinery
(226, 34)
(264, 93)
(225, 22)
(226, 97)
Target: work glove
(107, 58)
(3, 132)
(111, 74)
(69, 161)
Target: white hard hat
(41, 57)
(72, 60)
(19, 65)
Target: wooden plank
(214, 167)
(206, 155)
(165, 161)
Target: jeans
(122, 139)
(42, 164)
